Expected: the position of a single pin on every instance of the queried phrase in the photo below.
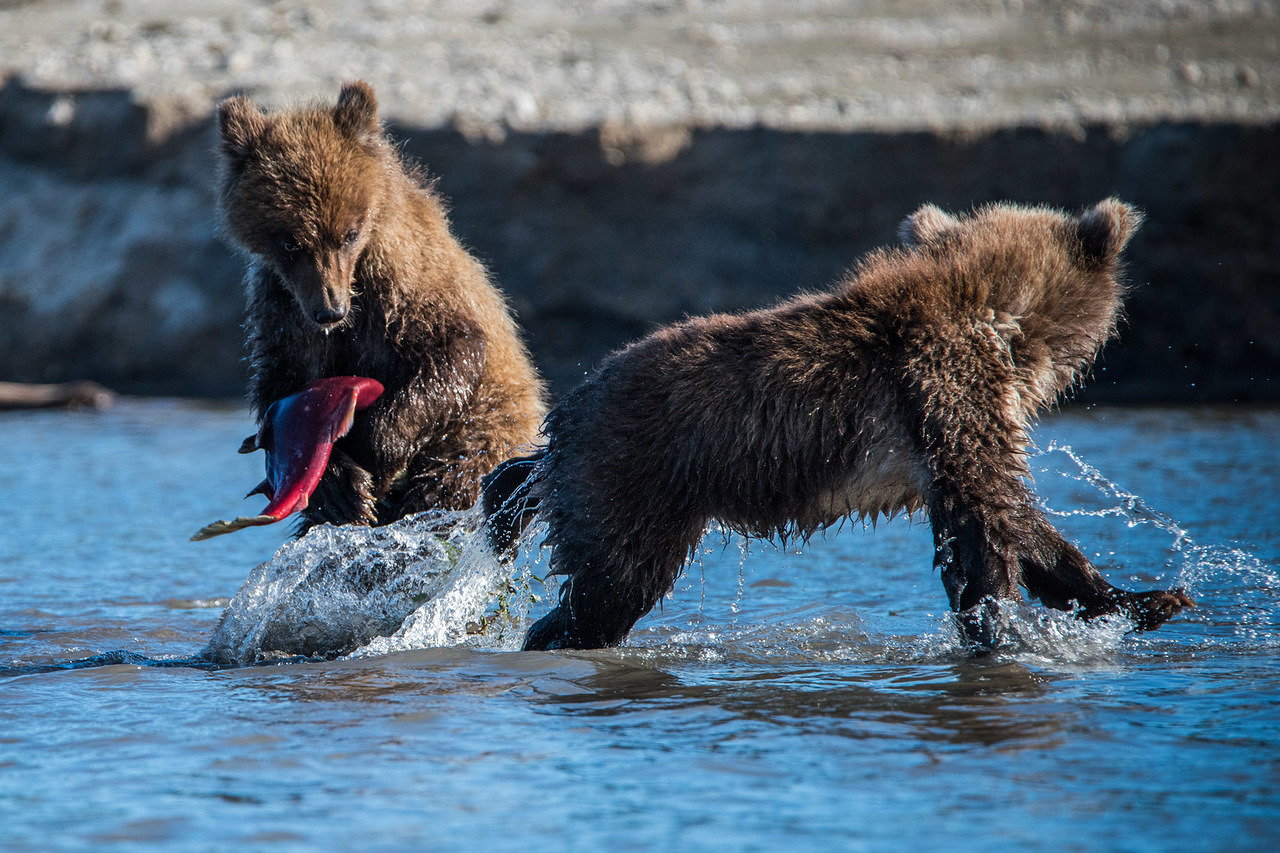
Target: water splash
(812, 632)
(414, 583)
(482, 602)
(1133, 509)
(822, 633)
(1041, 635)
(1193, 564)
(744, 552)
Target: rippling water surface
(812, 700)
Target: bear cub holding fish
(911, 385)
(353, 272)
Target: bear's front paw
(345, 494)
(1150, 610)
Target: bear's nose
(329, 316)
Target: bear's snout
(326, 306)
(322, 286)
(330, 316)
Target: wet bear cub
(911, 385)
(353, 271)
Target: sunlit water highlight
(780, 699)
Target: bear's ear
(241, 125)
(1105, 228)
(357, 111)
(929, 224)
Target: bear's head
(301, 192)
(1046, 282)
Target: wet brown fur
(911, 385)
(353, 271)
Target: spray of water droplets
(1193, 565)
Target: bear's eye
(290, 247)
(351, 236)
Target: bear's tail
(507, 501)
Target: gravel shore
(803, 64)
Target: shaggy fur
(911, 385)
(353, 271)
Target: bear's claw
(1150, 610)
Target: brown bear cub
(353, 271)
(911, 385)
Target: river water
(811, 699)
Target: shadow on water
(120, 657)
(978, 700)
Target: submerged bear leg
(976, 572)
(593, 613)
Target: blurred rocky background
(622, 164)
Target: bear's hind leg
(612, 582)
(592, 614)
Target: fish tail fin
(218, 528)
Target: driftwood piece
(66, 395)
